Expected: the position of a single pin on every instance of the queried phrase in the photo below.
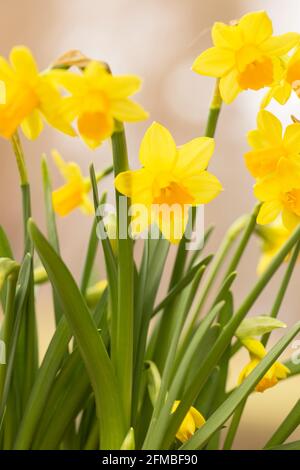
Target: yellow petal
(257, 139)
(172, 220)
(290, 220)
(281, 371)
(73, 82)
(62, 166)
(187, 428)
(291, 138)
(268, 212)
(197, 417)
(6, 72)
(127, 110)
(86, 205)
(229, 87)
(254, 346)
(123, 86)
(270, 127)
(282, 93)
(136, 185)
(194, 156)
(23, 62)
(32, 125)
(214, 62)
(203, 187)
(225, 36)
(267, 189)
(158, 150)
(280, 45)
(256, 27)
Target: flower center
(95, 126)
(173, 193)
(255, 69)
(291, 200)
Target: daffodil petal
(123, 86)
(23, 62)
(268, 212)
(290, 220)
(267, 189)
(136, 185)
(127, 110)
(229, 87)
(214, 62)
(270, 126)
(203, 187)
(291, 138)
(280, 45)
(171, 220)
(158, 149)
(32, 125)
(194, 156)
(197, 417)
(226, 36)
(256, 27)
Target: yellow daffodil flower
(273, 237)
(245, 55)
(74, 193)
(171, 179)
(98, 99)
(289, 80)
(276, 372)
(280, 193)
(29, 97)
(192, 421)
(270, 145)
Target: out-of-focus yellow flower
(171, 180)
(276, 372)
(97, 100)
(245, 55)
(29, 96)
(192, 421)
(288, 80)
(280, 193)
(270, 145)
(74, 193)
(273, 237)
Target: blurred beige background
(158, 40)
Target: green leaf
(70, 391)
(89, 342)
(288, 425)
(290, 446)
(14, 330)
(184, 281)
(221, 415)
(154, 381)
(5, 248)
(256, 326)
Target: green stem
(123, 324)
(282, 290)
(214, 111)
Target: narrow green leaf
(184, 281)
(89, 342)
(239, 394)
(285, 429)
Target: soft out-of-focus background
(158, 40)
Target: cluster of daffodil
(144, 373)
